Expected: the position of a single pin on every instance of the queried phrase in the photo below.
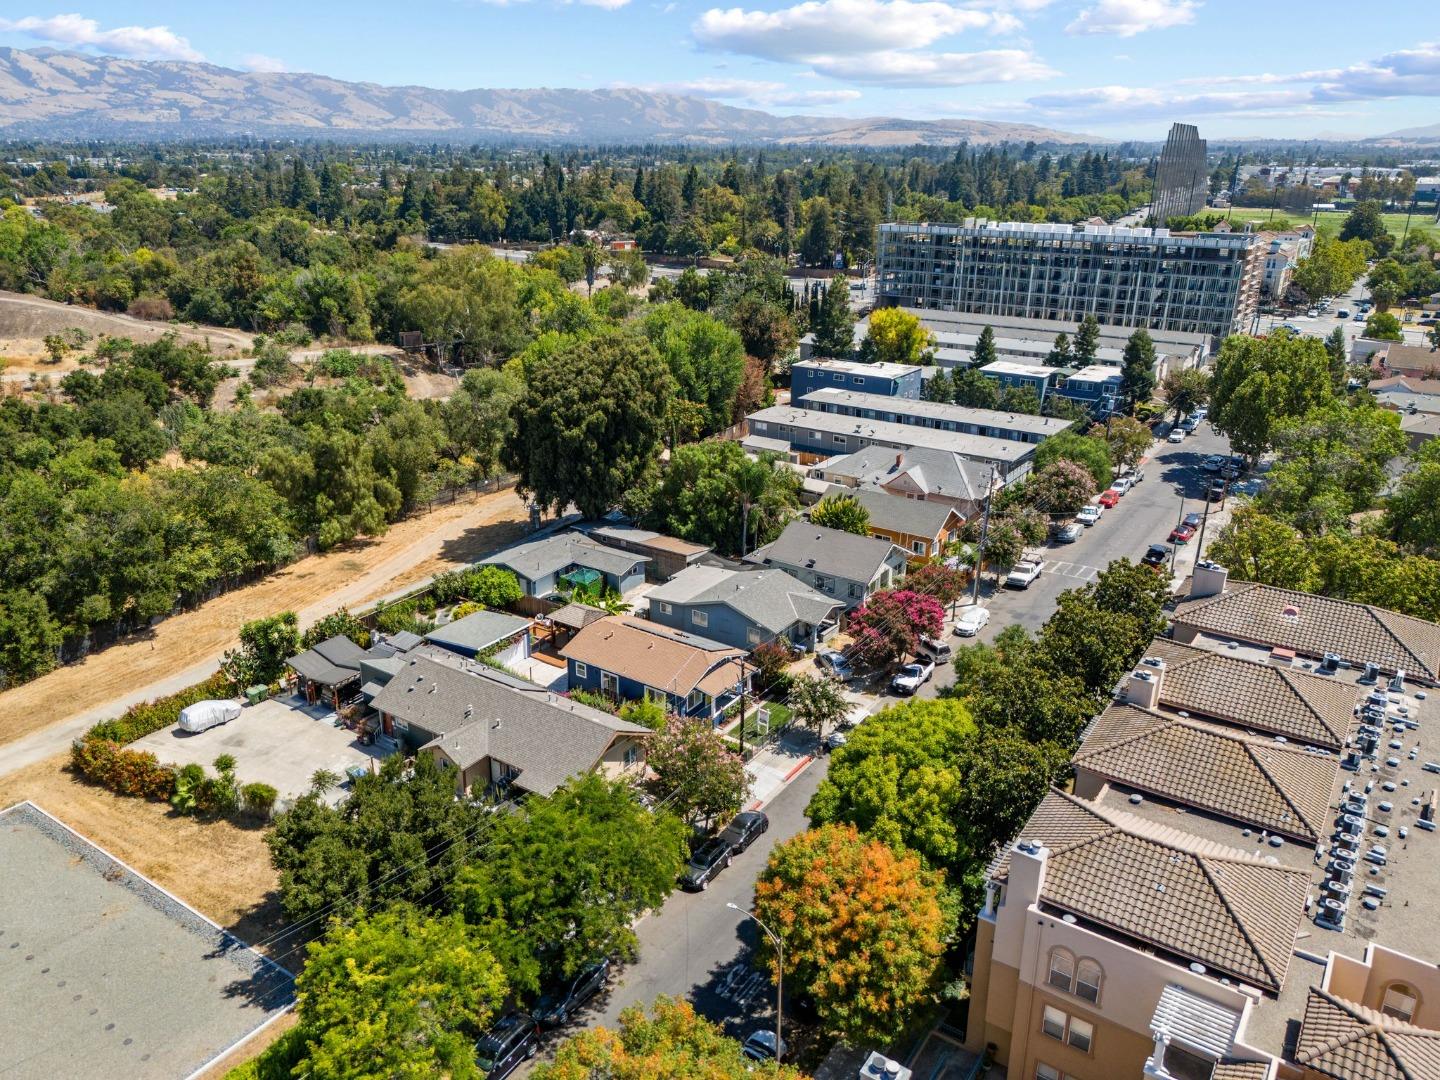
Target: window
(918, 547)
(1081, 1033)
(1087, 980)
(1065, 1028)
(824, 584)
(839, 377)
(695, 698)
(753, 635)
(839, 439)
(632, 755)
(700, 618)
(758, 425)
(655, 695)
(1054, 1023)
(1062, 971)
(856, 592)
(610, 684)
(581, 670)
(664, 607)
(858, 380)
(1400, 1001)
(1046, 1072)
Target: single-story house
(668, 555)
(918, 473)
(839, 564)
(500, 732)
(570, 559)
(628, 658)
(501, 636)
(328, 669)
(921, 526)
(745, 608)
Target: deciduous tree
(842, 512)
(697, 775)
(818, 703)
(1093, 453)
(705, 358)
(888, 626)
(1186, 390)
(897, 337)
(1262, 382)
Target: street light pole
(779, 973)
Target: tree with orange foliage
(673, 1043)
(863, 927)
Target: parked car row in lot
(716, 853)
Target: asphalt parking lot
(276, 742)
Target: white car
(203, 715)
(971, 621)
(912, 676)
(1023, 574)
(1213, 463)
(1089, 514)
(1176, 436)
(1122, 484)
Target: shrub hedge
(151, 716)
(127, 772)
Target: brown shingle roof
(1230, 911)
(1241, 1070)
(669, 660)
(1313, 709)
(1342, 1039)
(1279, 788)
(1314, 625)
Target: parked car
(515, 1037)
(1089, 515)
(1213, 463)
(1194, 518)
(971, 621)
(742, 831)
(203, 715)
(1108, 498)
(1177, 436)
(1121, 485)
(1023, 573)
(1313, 313)
(912, 676)
(835, 663)
(1217, 489)
(1156, 556)
(1359, 316)
(761, 1046)
(1069, 532)
(709, 859)
(835, 740)
(1182, 534)
(937, 650)
(558, 1004)
(1342, 314)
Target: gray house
(500, 732)
(505, 637)
(744, 608)
(839, 564)
(543, 566)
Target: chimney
(1027, 874)
(1143, 687)
(1208, 579)
(899, 459)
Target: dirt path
(25, 320)
(39, 718)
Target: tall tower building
(1181, 178)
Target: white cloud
(841, 27)
(607, 5)
(141, 42)
(921, 69)
(1406, 73)
(807, 98)
(1127, 18)
(261, 62)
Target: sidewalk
(774, 767)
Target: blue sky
(1112, 67)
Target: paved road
(1145, 516)
(690, 947)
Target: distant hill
(1428, 133)
(45, 92)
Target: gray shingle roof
(540, 558)
(547, 737)
(895, 513)
(771, 599)
(825, 551)
(937, 472)
(329, 662)
(478, 630)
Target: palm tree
(749, 482)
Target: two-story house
(628, 659)
(745, 608)
(886, 380)
(921, 526)
(839, 564)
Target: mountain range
(56, 94)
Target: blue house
(628, 659)
(745, 608)
(544, 566)
(1013, 375)
(1097, 387)
(886, 380)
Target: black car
(515, 1037)
(1156, 555)
(1217, 489)
(741, 832)
(557, 1005)
(712, 857)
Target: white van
(204, 715)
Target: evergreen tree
(1060, 354)
(985, 348)
(1087, 341)
(1137, 377)
(939, 387)
(834, 324)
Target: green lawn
(1329, 222)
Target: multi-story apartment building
(1181, 177)
(886, 380)
(1206, 283)
(942, 416)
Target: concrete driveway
(276, 742)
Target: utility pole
(1175, 548)
(1200, 544)
(742, 708)
(984, 534)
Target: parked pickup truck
(1024, 573)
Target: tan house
(922, 527)
(500, 732)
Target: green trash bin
(256, 694)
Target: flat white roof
(852, 367)
(1012, 367)
(900, 436)
(1096, 373)
(936, 410)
